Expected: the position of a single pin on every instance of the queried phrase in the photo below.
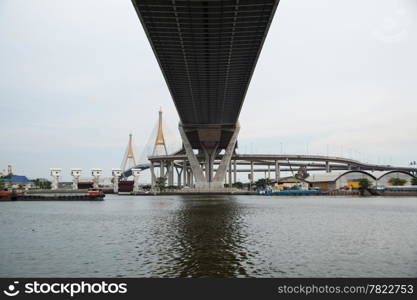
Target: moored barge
(53, 195)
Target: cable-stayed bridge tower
(160, 147)
(129, 160)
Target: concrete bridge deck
(293, 160)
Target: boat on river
(53, 195)
(292, 193)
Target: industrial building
(338, 180)
(383, 177)
(350, 179)
(17, 181)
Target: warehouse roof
(17, 179)
(379, 174)
(333, 176)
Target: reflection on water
(210, 236)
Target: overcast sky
(335, 77)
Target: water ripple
(216, 236)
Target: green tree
(414, 181)
(160, 183)
(263, 183)
(42, 184)
(238, 185)
(397, 181)
(2, 185)
(47, 185)
(36, 182)
(364, 184)
(172, 187)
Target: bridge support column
(227, 157)
(192, 159)
(161, 169)
(170, 167)
(153, 179)
(207, 181)
(230, 174)
(184, 172)
(277, 171)
(188, 172)
(116, 173)
(234, 172)
(135, 173)
(328, 168)
(251, 174)
(210, 156)
(179, 175)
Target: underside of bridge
(207, 51)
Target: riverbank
(87, 195)
(194, 192)
(290, 193)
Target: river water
(210, 236)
